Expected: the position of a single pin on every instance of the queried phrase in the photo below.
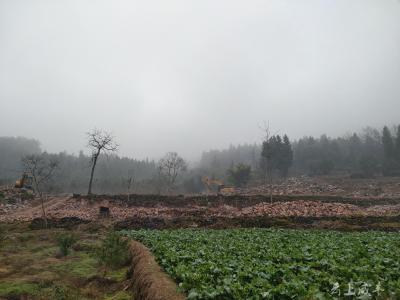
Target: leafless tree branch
(99, 141)
(41, 168)
(170, 166)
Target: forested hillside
(12, 149)
(369, 153)
(72, 173)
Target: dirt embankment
(149, 282)
(160, 211)
(170, 207)
(342, 185)
(237, 201)
(351, 223)
(89, 209)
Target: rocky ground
(20, 205)
(340, 186)
(59, 207)
(12, 199)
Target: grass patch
(82, 265)
(119, 274)
(2, 235)
(24, 237)
(30, 269)
(119, 296)
(388, 225)
(17, 289)
(60, 292)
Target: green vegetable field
(278, 264)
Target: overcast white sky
(190, 75)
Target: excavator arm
(208, 182)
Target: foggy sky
(191, 75)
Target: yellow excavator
(25, 182)
(221, 188)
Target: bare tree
(41, 168)
(266, 163)
(159, 179)
(99, 141)
(130, 181)
(170, 166)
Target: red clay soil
(317, 209)
(383, 187)
(86, 209)
(149, 282)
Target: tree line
(371, 152)
(72, 174)
(103, 171)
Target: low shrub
(25, 236)
(18, 290)
(114, 252)
(64, 293)
(65, 242)
(27, 195)
(2, 235)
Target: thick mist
(188, 76)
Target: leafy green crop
(278, 264)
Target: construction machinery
(221, 188)
(210, 183)
(25, 182)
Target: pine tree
(389, 164)
(287, 155)
(278, 154)
(354, 146)
(397, 146)
(388, 145)
(239, 175)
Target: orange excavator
(25, 182)
(209, 183)
(221, 188)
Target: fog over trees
(200, 149)
(372, 152)
(176, 77)
(72, 174)
(12, 149)
(188, 76)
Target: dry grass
(148, 280)
(31, 269)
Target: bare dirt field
(316, 203)
(302, 198)
(85, 209)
